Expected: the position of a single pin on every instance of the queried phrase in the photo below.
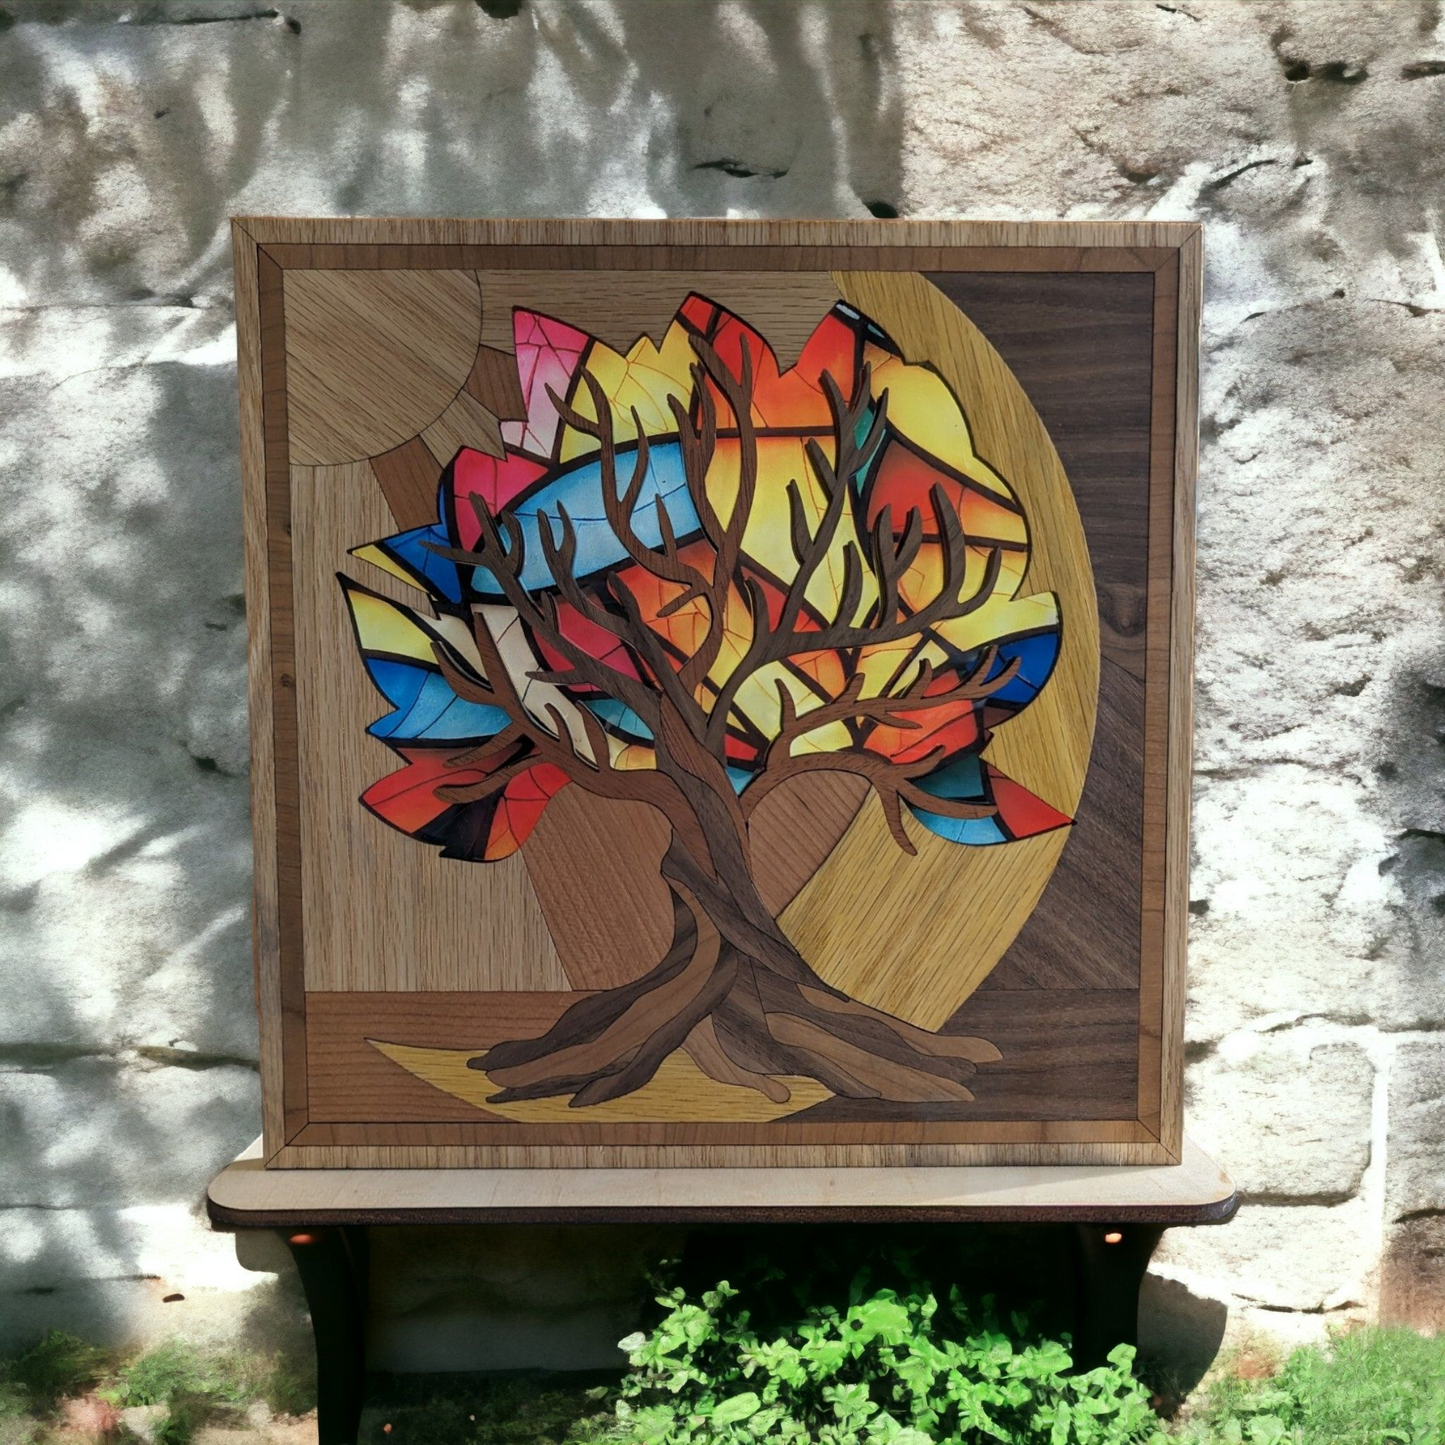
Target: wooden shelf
(1196, 1191)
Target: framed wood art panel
(720, 691)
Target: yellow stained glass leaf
(1001, 617)
(378, 558)
(921, 406)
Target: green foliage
(58, 1366)
(1368, 1387)
(196, 1387)
(889, 1367)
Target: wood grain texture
(783, 308)
(1197, 1191)
(407, 476)
(1068, 1054)
(1081, 346)
(265, 903)
(465, 423)
(588, 852)
(447, 1146)
(1114, 239)
(1185, 464)
(382, 912)
(702, 258)
(281, 611)
(678, 1092)
(494, 383)
(1153, 866)
(916, 936)
(372, 359)
(804, 253)
(585, 854)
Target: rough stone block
(1415, 1155)
(1304, 1258)
(1412, 1275)
(508, 1296)
(105, 1274)
(1289, 1120)
(102, 1131)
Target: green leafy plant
(891, 1367)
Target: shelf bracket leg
(332, 1264)
(1111, 1260)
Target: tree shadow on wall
(129, 1045)
(560, 109)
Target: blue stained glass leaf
(960, 778)
(978, 832)
(398, 682)
(620, 717)
(580, 492)
(739, 777)
(411, 549)
(1037, 656)
(434, 712)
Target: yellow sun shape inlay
(679, 1093)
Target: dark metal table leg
(333, 1268)
(1111, 1259)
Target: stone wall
(1305, 135)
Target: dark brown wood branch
(504, 563)
(595, 774)
(620, 504)
(851, 705)
(770, 643)
(892, 782)
(698, 450)
(667, 565)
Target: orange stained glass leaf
(952, 726)
(520, 807)
(1023, 813)
(684, 629)
(824, 669)
(903, 482)
(407, 797)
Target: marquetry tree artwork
(719, 690)
(691, 578)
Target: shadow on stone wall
(128, 135)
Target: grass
(193, 1386)
(58, 1366)
(1365, 1387)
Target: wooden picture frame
(375, 360)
